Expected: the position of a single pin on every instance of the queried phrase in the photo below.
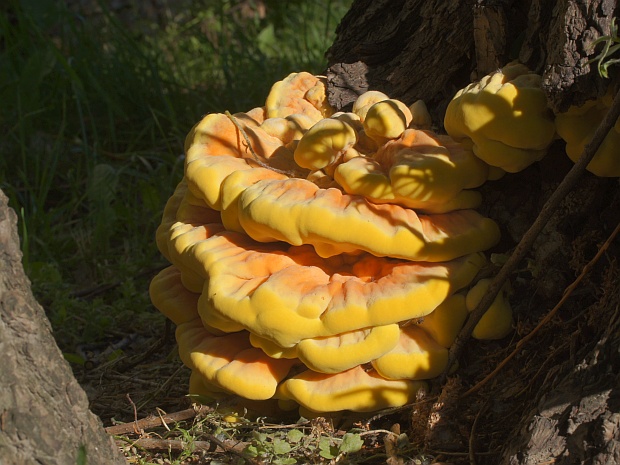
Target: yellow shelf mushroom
(230, 363)
(334, 223)
(505, 116)
(317, 257)
(386, 120)
(324, 143)
(290, 294)
(334, 354)
(496, 322)
(172, 298)
(418, 170)
(416, 356)
(444, 323)
(298, 93)
(363, 103)
(577, 126)
(356, 389)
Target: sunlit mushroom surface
(320, 260)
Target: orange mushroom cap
(229, 362)
(298, 93)
(171, 298)
(335, 223)
(287, 295)
(416, 356)
(356, 389)
(218, 136)
(419, 170)
(231, 189)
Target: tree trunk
(428, 49)
(44, 416)
(576, 415)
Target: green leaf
(259, 437)
(281, 447)
(327, 450)
(74, 358)
(602, 58)
(284, 461)
(251, 450)
(82, 456)
(403, 441)
(294, 436)
(150, 196)
(267, 42)
(102, 184)
(351, 443)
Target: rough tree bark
(576, 416)
(428, 49)
(44, 416)
(420, 49)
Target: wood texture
(44, 416)
(558, 44)
(416, 49)
(411, 48)
(576, 418)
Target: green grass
(94, 112)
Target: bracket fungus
(324, 143)
(577, 126)
(312, 265)
(418, 170)
(386, 120)
(497, 320)
(504, 117)
(298, 93)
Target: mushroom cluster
(506, 121)
(504, 117)
(577, 126)
(321, 260)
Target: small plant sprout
(611, 44)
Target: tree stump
(428, 49)
(44, 416)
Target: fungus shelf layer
(320, 259)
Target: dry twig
(154, 422)
(212, 444)
(472, 435)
